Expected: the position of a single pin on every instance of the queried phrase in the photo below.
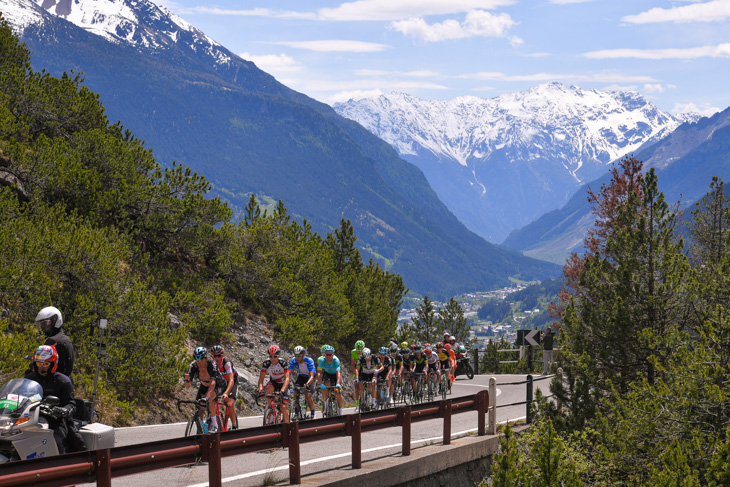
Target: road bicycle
(381, 390)
(366, 398)
(330, 408)
(445, 384)
(298, 404)
(405, 393)
(399, 389)
(272, 410)
(432, 386)
(418, 392)
(197, 425)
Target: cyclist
(452, 356)
(444, 361)
(44, 371)
(354, 357)
(397, 370)
(229, 372)
(418, 363)
(329, 372)
(433, 362)
(307, 372)
(367, 367)
(212, 383)
(387, 372)
(278, 379)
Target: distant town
(487, 330)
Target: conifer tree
(426, 323)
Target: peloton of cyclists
(307, 373)
(329, 373)
(278, 379)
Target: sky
(674, 52)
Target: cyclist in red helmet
(278, 378)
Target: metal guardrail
(101, 466)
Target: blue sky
(675, 52)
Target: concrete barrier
(465, 461)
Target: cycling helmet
(446, 334)
(216, 349)
(48, 355)
(383, 350)
(49, 318)
(413, 346)
(359, 345)
(447, 346)
(462, 349)
(200, 353)
(366, 353)
(329, 349)
(426, 345)
(299, 350)
(274, 350)
(404, 345)
(439, 345)
(417, 349)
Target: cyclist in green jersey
(354, 357)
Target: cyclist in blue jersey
(329, 373)
(307, 372)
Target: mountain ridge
(501, 162)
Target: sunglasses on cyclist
(299, 355)
(217, 354)
(328, 354)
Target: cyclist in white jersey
(278, 379)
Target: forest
(640, 395)
(93, 224)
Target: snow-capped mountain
(138, 23)
(499, 163)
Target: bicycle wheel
(366, 401)
(222, 417)
(269, 416)
(444, 386)
(431, 388)
(194, 426)
(406, 394)
(331, 409)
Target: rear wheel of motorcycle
(469, 371)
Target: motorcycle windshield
(15, 394)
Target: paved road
(260, 468)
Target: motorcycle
(24, 430)
(463, 367)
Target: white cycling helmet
(366, 353)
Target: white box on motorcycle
(98, 436)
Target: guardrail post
(528, 419)
(529, 358)
(446, 413)
(492, 430)
(212, 454)
(405, 412)
(482, 406)
(355, 429)
(103, 468)
(292, 434)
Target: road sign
(533, 338)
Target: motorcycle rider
(50, 321)
(45, 372)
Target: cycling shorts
(302, 381)
(278, 388)
(366, 377)
(234, 390)
(203, 390)
(446, 364)
(432, 367)
(331, 378)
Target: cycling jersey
(303, 368)
(388, 363)
(213, 373)
(443, 356)
(354, 354)
(368, 368)
(433, 358)
(420, 363)
(276, 371)
(330, 368)
(226, 367)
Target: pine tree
(427, 323)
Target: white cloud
(404, 9)
(707, 111)
(566, 2)
(713, 11)
(274, 63)
(478, 23)
(719, 51)
(543, 77)
(335, 46)
(653, 88)
(344, 96)
(256, 12)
